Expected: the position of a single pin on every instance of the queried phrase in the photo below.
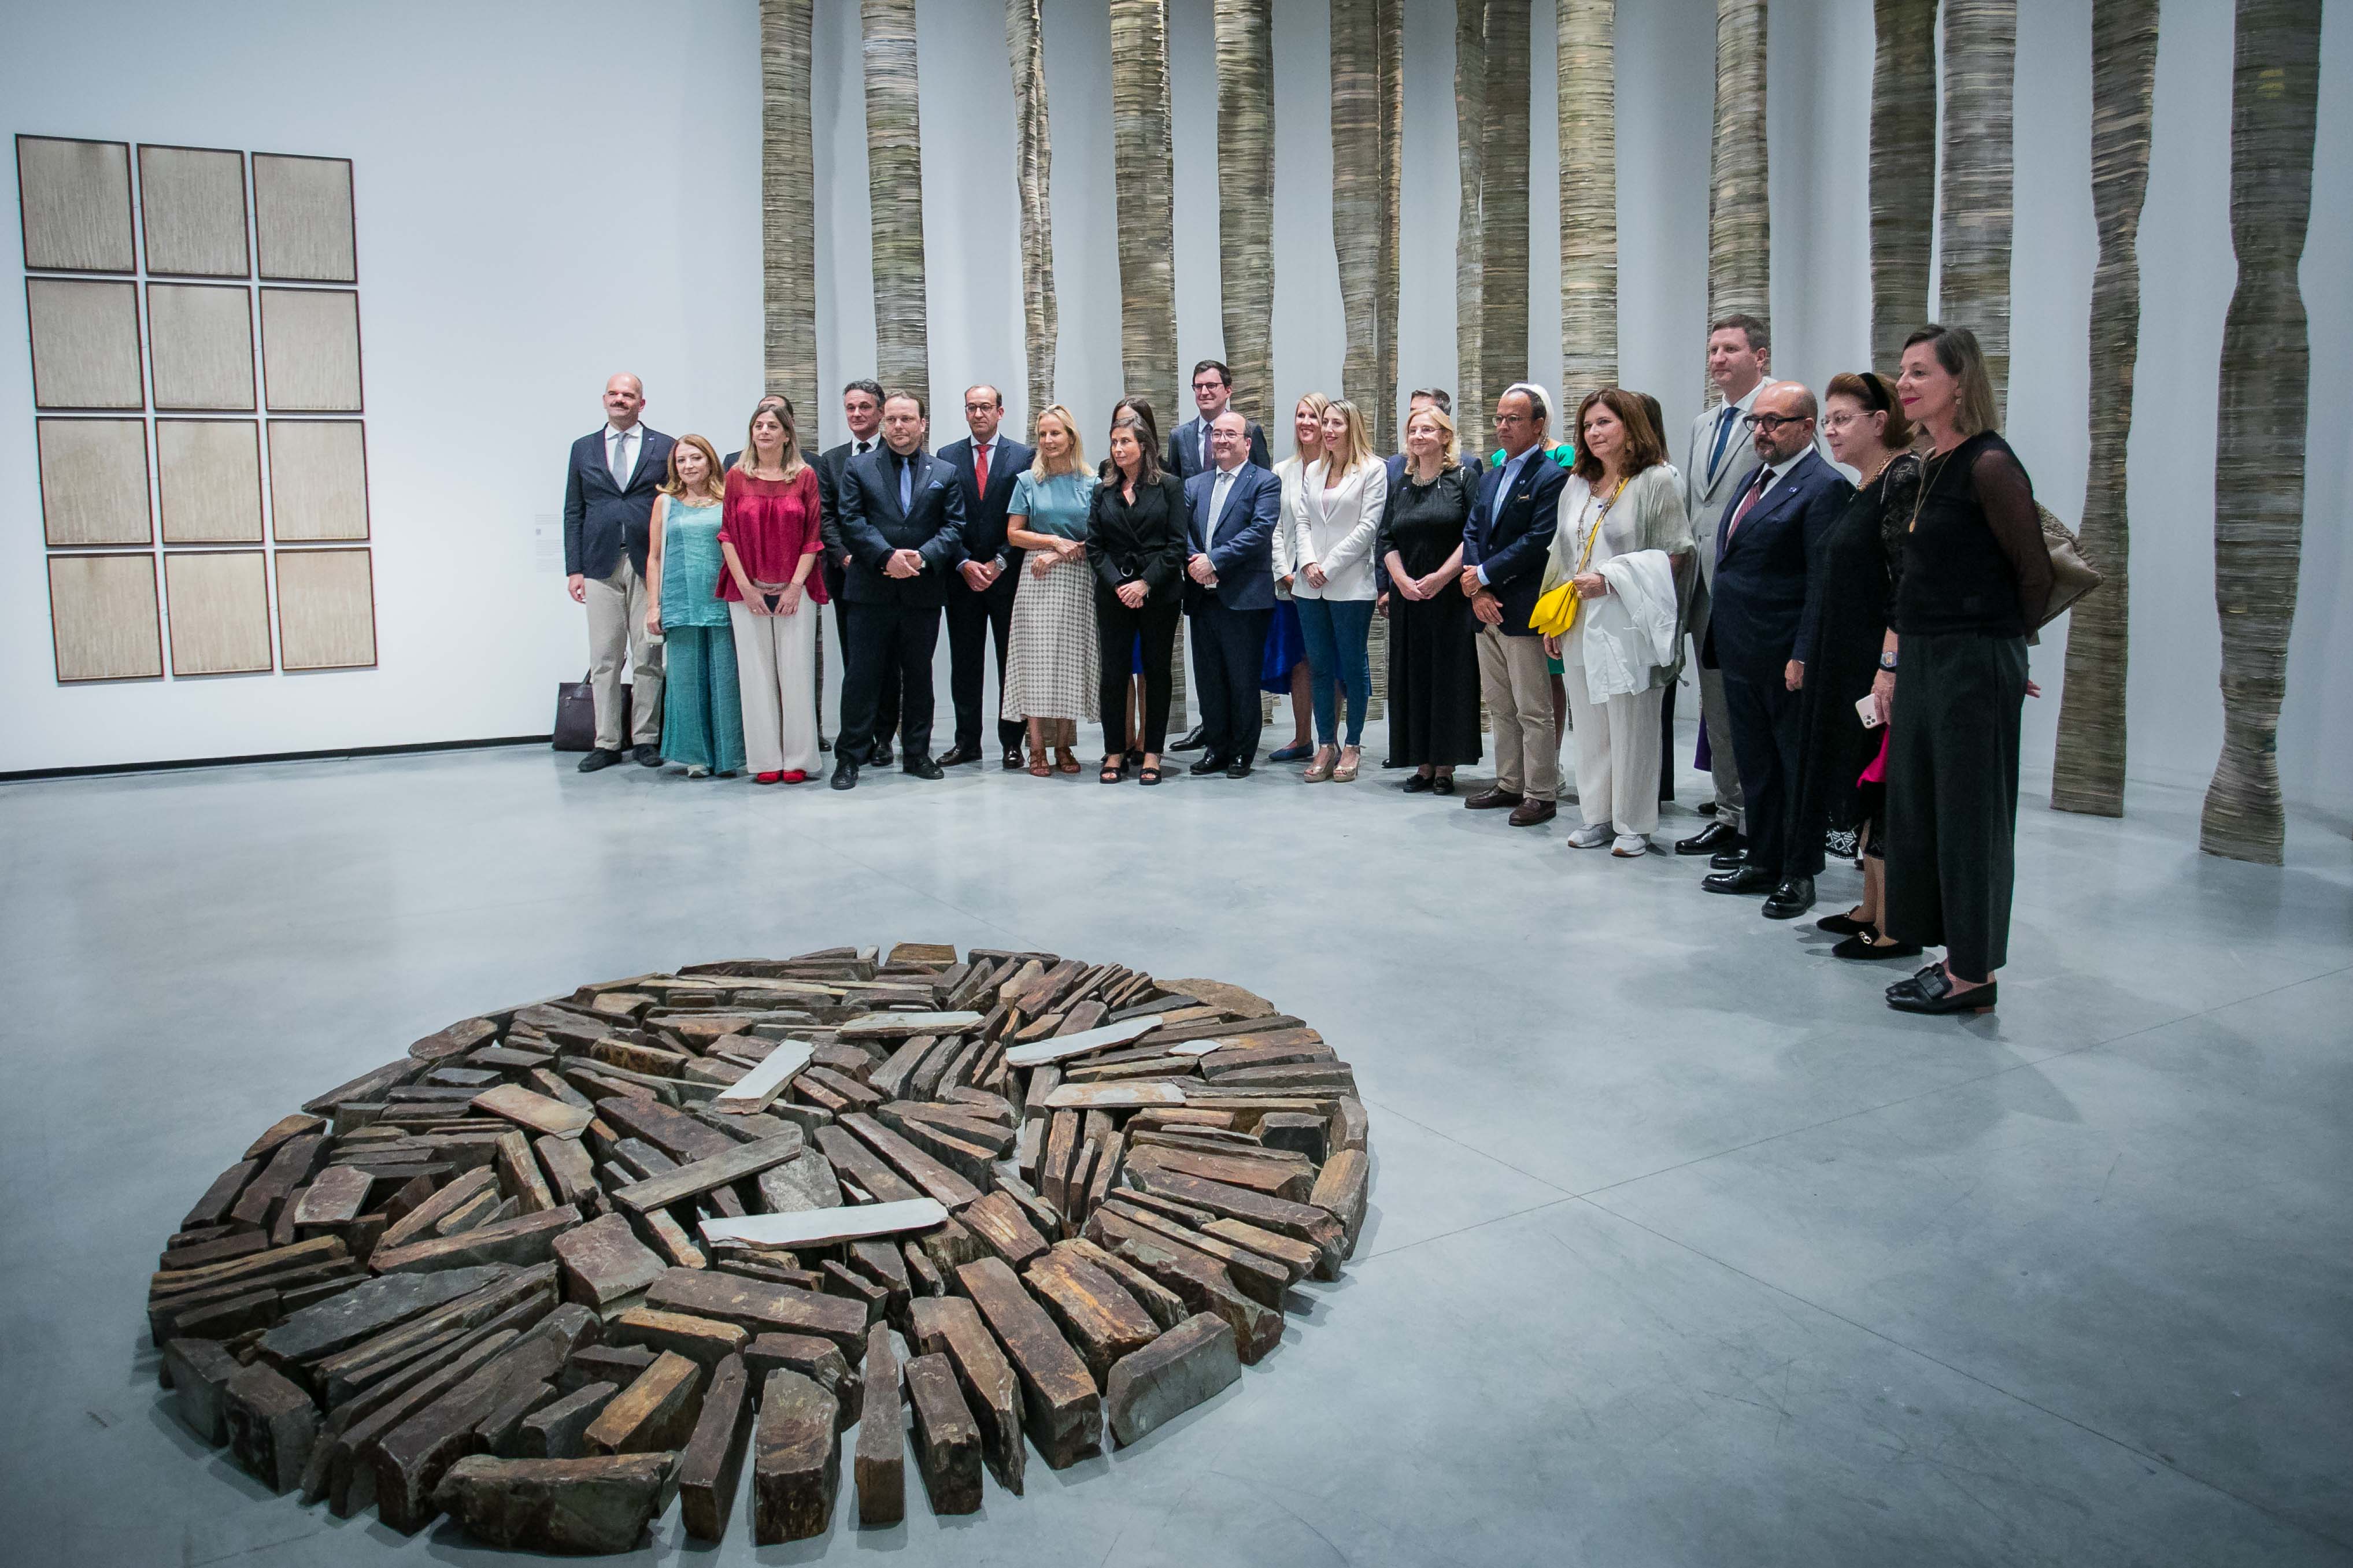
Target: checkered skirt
(1052, 668)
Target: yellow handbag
(1555, 610)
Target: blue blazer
(1510, 535)
(602, 519)
(1188, 449)
(873, 526)
(1239, 541)
(1763, 591)
(983, 515)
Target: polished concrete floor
(1684, 1250)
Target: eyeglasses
(1769, 423)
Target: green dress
(702, 710)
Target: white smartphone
(1869, 709)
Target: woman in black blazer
(1136, 538)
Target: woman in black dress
(1136, 539)
(1976, 578)
(1854, 569)
(1433, 647)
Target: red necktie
(980, 467)
(1764, 478)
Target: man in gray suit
(1739, 358)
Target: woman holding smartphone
(768, 534)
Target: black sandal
(1149, 775)
(1113, 769)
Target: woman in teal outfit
(703, 717)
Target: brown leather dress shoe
(1493, 798)
(1528, 813)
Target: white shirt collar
(614, 432)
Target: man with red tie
(1788, 501)
(980, 597)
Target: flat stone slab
(593, 1505)
(1184, 1367)
(1113, 1096)
(757, 1087)
(1062, 1048)
(900, 1025)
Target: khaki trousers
(1616, 754)
(1518, 689)
(775, 666)
(616, 625)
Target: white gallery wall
(545, 205)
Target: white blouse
(1334, 528)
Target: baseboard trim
(28, 774)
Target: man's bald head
(1783, 415)
(624, 395)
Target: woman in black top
(1853, 572)
(1433, 645)
(1136, 538)
(1976, 577)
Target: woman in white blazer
(1327, 553)
(1625, 542)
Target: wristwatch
(1886, 659)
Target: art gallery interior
(1658, 1236)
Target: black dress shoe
(1443, 784)
(1730, 860)
(1747, 880)
(646, 756)
(1705, 808)
(1867, 944)
(1013, 762)
(598, 758)
(1193, 742)
(1931, 992)
(1491, 799)
(1793, 898)
(1716, 838)
(881, 757)
(845, 774)
(956, 756)
(1421, 783)
(923, 768)
(1240, 768)
(1211, 763)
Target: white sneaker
(1628, 844)
(1592, 836)
(697, 773)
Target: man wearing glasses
(1739, 355)
(1758, 626)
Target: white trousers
(775, 666)
(1617, 753)
(616, 625)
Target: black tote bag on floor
(576, 714)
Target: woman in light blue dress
(702, 716)
(1051, 665)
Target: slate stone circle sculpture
(562, 1263)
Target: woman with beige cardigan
(1325, 549)
(1625, 543)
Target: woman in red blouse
(768, 534)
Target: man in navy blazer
(1188, 444)
(901, 519)
(988, 465)
(1785, 505)
(609, 507)
(1230, 509)
(1504, 543)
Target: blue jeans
(1337, 632)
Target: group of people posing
(1562, 582)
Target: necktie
(1722, 432)
(980, 467)
(863, 447)
(1764, 480)
(906, 483)
(620, 464)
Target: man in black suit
(980, 598)
(1188, 444)
(902, 516)
(861, 410)
(1504, 543)
(609, 506)
(1784, 508)
(1230, 510)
